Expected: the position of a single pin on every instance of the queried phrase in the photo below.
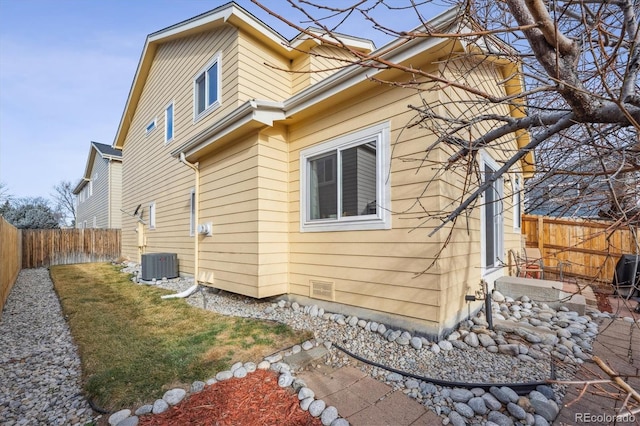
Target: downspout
(196, 202)
(196, 244)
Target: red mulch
(603, 302)
(253, 400)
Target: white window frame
(152, 215)
(151, 126)
(208, 107)
(382, 219)
(517, 204)
(192, 213)
(90, 187)
(168, 139)
(486, 160)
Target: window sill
(206, 112)
(345, 225)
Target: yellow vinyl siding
(150, 173)
(256, 80)
(380, 270)
(243, 193)
(325, 60)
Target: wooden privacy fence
(10, 258)
(46, 247)
(590, 248)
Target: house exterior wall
(168, 183)
(249, 188)
(95, 205)
(115, 194)
(386, 271)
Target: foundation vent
(323, 290)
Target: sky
(66, 67)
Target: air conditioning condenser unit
(159, 265)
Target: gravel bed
(39, 363)
(40, 368)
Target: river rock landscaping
(524, 341)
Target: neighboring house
(99, 193)
(273, 183)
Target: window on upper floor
(206, 88)
(343, 183)
(90, 188)
(150, 126)
(168, 123)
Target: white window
(150, 126)
(168, 123)
(152, 215)
(84, 224)
(492, 234)
(90, 188)
(517, 213)
(192, 213)
(95, 223)
(206, 88)
(344, 183)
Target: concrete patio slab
(365, 401)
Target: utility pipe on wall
(196, 202)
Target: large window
(168, 123)
(344, 184)
(492, 217)
(207, 88)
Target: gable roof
(106, 152)
(230, 13)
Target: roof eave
(253, 114)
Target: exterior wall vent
(159, 265)
(323, 290)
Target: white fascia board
(398, 50)
(253, 111)
(222, 14)
(355, 42)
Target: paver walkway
(365, 401)
(618, 345)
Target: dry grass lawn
(135, 345)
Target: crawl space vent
(323, 290)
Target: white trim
(171, 105)
(382, 219)
(192, 212)
(217, 59)
(152, 215)
(151, 126)
(517, 203)
(485, 159)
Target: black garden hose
(519, 388)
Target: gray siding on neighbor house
(358, 180)
(115, 199)
(97, 204)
